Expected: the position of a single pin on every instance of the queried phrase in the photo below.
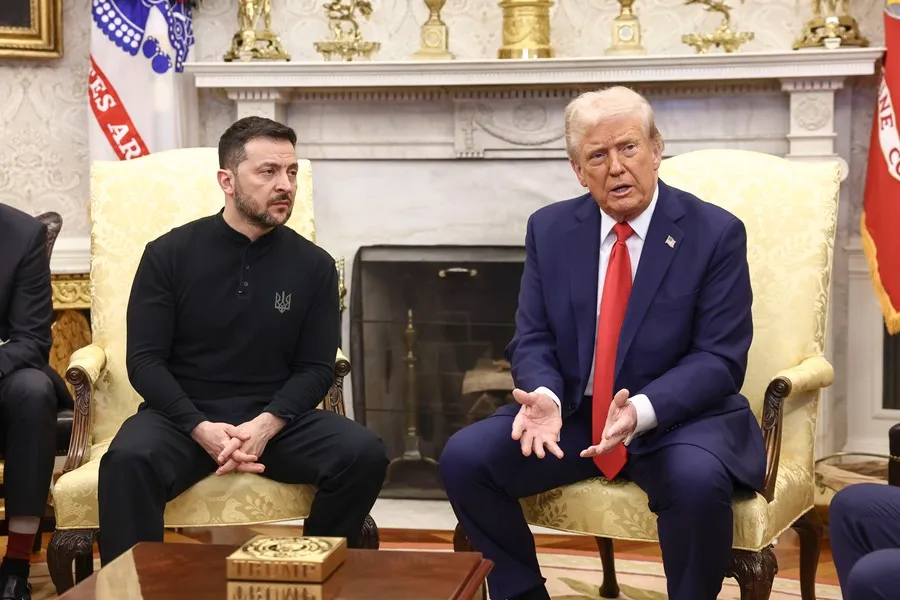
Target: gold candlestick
(626, 35)
(434, 35)
(526, 29)
(831, 29)
(248, 42)
(347, 42)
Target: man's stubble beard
(258, 218)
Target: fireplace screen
(428, 329)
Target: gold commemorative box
(287, 559)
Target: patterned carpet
(572, 577)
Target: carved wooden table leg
(809, 528)
(754, 571)
(369, 538)
(67, 547)
(610, 586)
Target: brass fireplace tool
(830, 29)
(723, 36)
(249, 43)
(421, 472)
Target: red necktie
(616, 289)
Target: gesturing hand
(243, 459)
(537, 425)
(621, 421)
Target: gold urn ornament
(250, 43)
(435, 38)
(626, 32)
(526, 29)
(831, 27)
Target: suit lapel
(583, 256)
(656, 257)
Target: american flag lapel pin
(670, 242)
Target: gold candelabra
(434, 36)
(626, 32)
(830, 28)
(249, 43)
(347, 41)
(526, 29)
(723, 36)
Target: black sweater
(212, 315)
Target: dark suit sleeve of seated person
(531, 351)
(716, 362)
(30, 313)
(151, 322)
(313, 364)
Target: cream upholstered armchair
(133, 202)
(789, 209)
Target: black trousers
(28, 439)
(150, 462)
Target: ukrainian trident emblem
(282, 302)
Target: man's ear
(226, 181)
(578, 172)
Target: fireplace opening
(428, 330)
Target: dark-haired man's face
(265, 183)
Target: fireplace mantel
(359, 77)
(512, 109)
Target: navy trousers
(689, 489)
(864, 526)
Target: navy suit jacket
(687, 328)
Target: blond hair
(591, 108)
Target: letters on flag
(138, 50)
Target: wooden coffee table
(157, 571)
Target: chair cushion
(240, 498)
(619, 509)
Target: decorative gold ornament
(626, 32)
(434, 35)
(348, 42)
(526, 29)
(248, 42)
(830, 29)
(723, 36)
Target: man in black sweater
(233, 328)
(28, 390)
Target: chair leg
(809, 528)
(67, 547)
(610, 587)
(461, 542)
(754, 571)
(369, 538)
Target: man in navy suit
(864, 526)
(630, 350)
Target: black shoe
(15, 587)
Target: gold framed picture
(31, 29)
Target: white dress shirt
(646, 416)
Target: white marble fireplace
(460, 153)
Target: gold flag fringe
(891, 314)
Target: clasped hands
(538, 424)
(238, 447)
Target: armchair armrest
(813, 374)
(85, 367)
(336, 392)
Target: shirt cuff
(646, 416)
(549, 393)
